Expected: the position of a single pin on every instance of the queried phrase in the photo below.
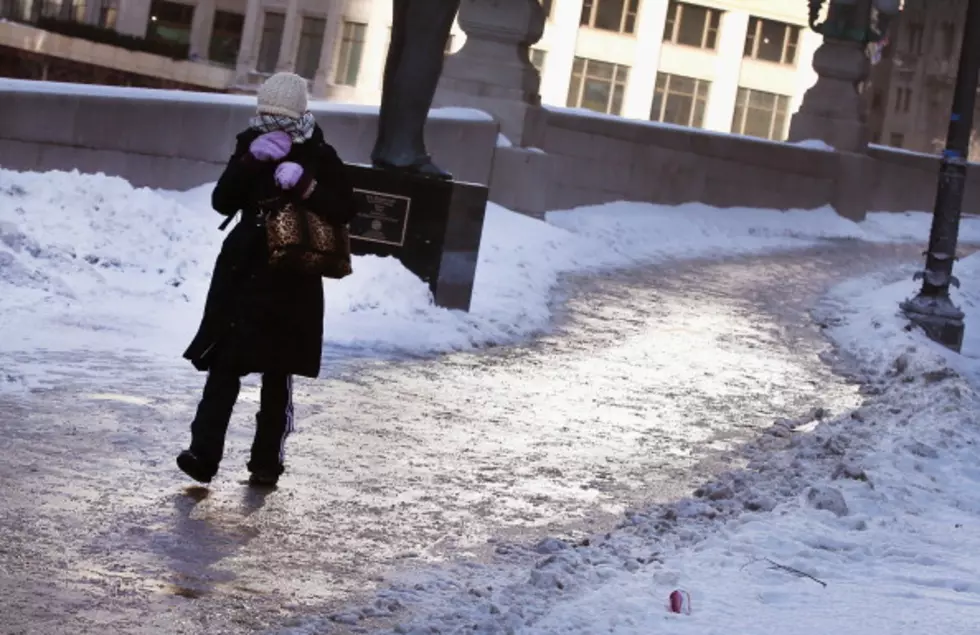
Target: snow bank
(875, 330)
(864, 524)
(90, 263)
(642, 231)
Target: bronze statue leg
(419, 31)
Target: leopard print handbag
(301, 241)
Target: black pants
(274, 422)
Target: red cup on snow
(680, 602)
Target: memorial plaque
(383, 217)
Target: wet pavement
(646, 377)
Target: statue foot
(423, 167)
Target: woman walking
(258, 319)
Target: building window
(896, 140)
(310, 45)
(12, 10)
(610, 15)
(108, 12)
(73, 10)
(680, 100)
(597, 85)
(876, 100)
(760, 114)
(170, 22)
(351, 50)
(949, 40)
(537, 59)
(916, 31)
(772, 41)
(226, 37)
(692, 25)
(271, 42)
(64, 10)
(903, 99)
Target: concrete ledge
(176, 139)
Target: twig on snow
(782, 567)
(796, 572)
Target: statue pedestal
(832, 110)
(432, 226)
(492, 72)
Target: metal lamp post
(933, 310)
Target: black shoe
(423, 167)
(264, 478)
(194, 467)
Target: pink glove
(272, 146)
(288, 174)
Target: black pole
(932, 309)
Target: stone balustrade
(180, 140)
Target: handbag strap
(265, 208)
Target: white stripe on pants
(290, 420)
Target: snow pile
(84, 257)
(90, 263)
(864, 524)
(643, 232)
(877, 332)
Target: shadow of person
(254, 498)
(199, 541)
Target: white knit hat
(283, 94)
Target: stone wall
(590, 159)
(178, 140)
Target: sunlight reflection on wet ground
(647, 375)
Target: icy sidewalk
(863, 525)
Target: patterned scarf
(299, 130)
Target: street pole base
(938, 318)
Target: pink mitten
(272, 146)
(288, 175)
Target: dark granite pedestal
(433, 227)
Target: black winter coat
(258, 320)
